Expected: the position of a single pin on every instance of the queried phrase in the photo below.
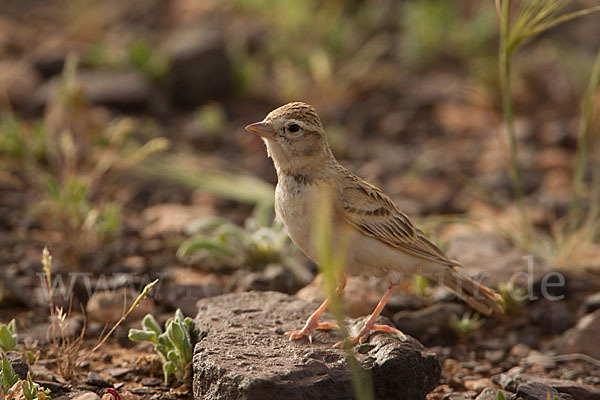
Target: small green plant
(33, 391)
(465, 326)
(69, 352)
(254, 246)
(150, 62)
(8, 336)
(430, 36)
(7, 374)
(12, 387)
(512, 296)
(173, 346)
(422, 285)
(530, 19)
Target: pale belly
(363, 255)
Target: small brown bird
(378, 238)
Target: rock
(86, 396)
(576, 390)
(95, 379)
(430, 325)
(514, 381)
(460, 395)
(246, 329)
(172, 218)
(539, 391)
(123, 90)
(551, 316)
(477, 385)
(274, 277)
(583, 337)
(187, 286)
(492, 394)
(591, 303)
(200, 68)
(18, 363)
(18, 82)
(519, 350)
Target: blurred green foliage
(435, 31)
(257, 244)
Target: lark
(377, 238)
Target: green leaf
(176, 334)
(9, 377)
(139, 335)
(204, 224)
(12, 327)
(173, 357)
(149, 323)
(8, 341)
(168, 370)
(199, 242)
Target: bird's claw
(307, 330)
(365, 332)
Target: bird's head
(293, 134)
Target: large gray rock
(245, 355)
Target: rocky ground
(429, 137)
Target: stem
(137, 301)
(575, 213)
(507, 105)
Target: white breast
(294, 205)
(297, 203)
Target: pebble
(86, 396)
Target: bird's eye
(293, 128)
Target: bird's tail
(480, 297)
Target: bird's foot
(364, 333)
(308, 329)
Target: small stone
(86, 396)
(583, 338)
(151, 382)
(119, 372)
(492, 394)
(96, 379)
(18, 363)
(478, 385)
(494, 356)
(591, 303)
(539, 391)
(519, 350)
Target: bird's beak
(261, 129)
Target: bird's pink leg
(312, 322)
(370, 325)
